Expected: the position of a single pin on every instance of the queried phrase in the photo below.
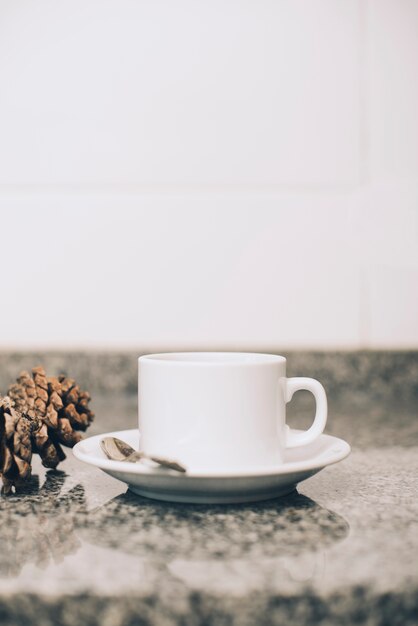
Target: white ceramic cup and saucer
(222, 415)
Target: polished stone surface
(77, 548)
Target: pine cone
(60, 407)
(15, 445)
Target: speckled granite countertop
(77, 548)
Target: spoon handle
(173, 465)
(136, 457)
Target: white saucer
(220, 487)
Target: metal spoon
(118, 450)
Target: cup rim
(212, 359)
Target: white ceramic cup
(221, 411)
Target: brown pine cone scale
(15, 445)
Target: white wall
(186, 173)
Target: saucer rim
(341, 450)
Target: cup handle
(293, 440)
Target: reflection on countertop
(38, 525)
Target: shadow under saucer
(147, 528)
